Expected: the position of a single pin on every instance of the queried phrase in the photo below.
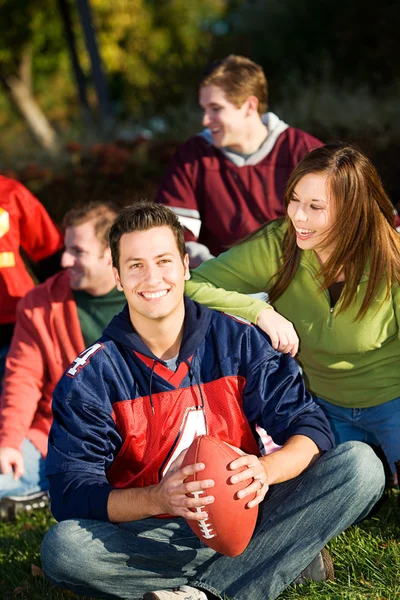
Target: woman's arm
(247, 269)
(241, 269)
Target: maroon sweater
(232, 201)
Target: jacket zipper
(331, 309)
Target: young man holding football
(165, 371)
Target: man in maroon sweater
(228, 180)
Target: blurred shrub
(122, 172)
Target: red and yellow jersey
(23, 223)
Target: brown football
(229, 524)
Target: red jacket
(23, 222)
(46, 340)
(232, 201)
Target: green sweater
(349, 363)
(95, 312)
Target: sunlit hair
(363, 234)
(239, 78)
(143, 216)
(102, 213)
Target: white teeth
(305, 231)
(151, 295)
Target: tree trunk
(65, 12)
(25, 68)
(34, 117)
(99, 78)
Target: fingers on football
(259, 497)
(191, 506)
(188, 470)
(192, 487)
(247, 460)
(194, 515)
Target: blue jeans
(377, 425)
(33, 480)
(296, 520)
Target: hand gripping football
(229, 524)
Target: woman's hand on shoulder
(281, 331)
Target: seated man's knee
(64, 552)
(365, 469)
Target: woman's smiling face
(312, 213)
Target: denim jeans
(296, 520)
(377, 425)
(33, 480)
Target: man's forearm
(298, 453)
(132, 504)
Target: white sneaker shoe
(320, 569)
(185, 592)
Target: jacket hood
(275, 127)
(197, 321)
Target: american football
(229, 524)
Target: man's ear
(252, 105)
(186, 266)
(107, 256)
(117, 280)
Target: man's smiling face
(227, 123)
(152, 275)
(87, 261)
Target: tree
(151, 50)
(19, 42)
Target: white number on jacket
(83, 359)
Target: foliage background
(333, 70)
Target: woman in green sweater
(332, 269)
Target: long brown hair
(363, 233)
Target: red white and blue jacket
(121, 416)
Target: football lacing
(206, 528)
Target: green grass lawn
(366, 557)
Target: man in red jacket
(55, 322)
(23, 223)
(228, 180)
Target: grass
(366, 557)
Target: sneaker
(320, 569)
(184, 592)
(11, 506)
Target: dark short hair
(143, 216)
(102, 213)
(238, 77)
